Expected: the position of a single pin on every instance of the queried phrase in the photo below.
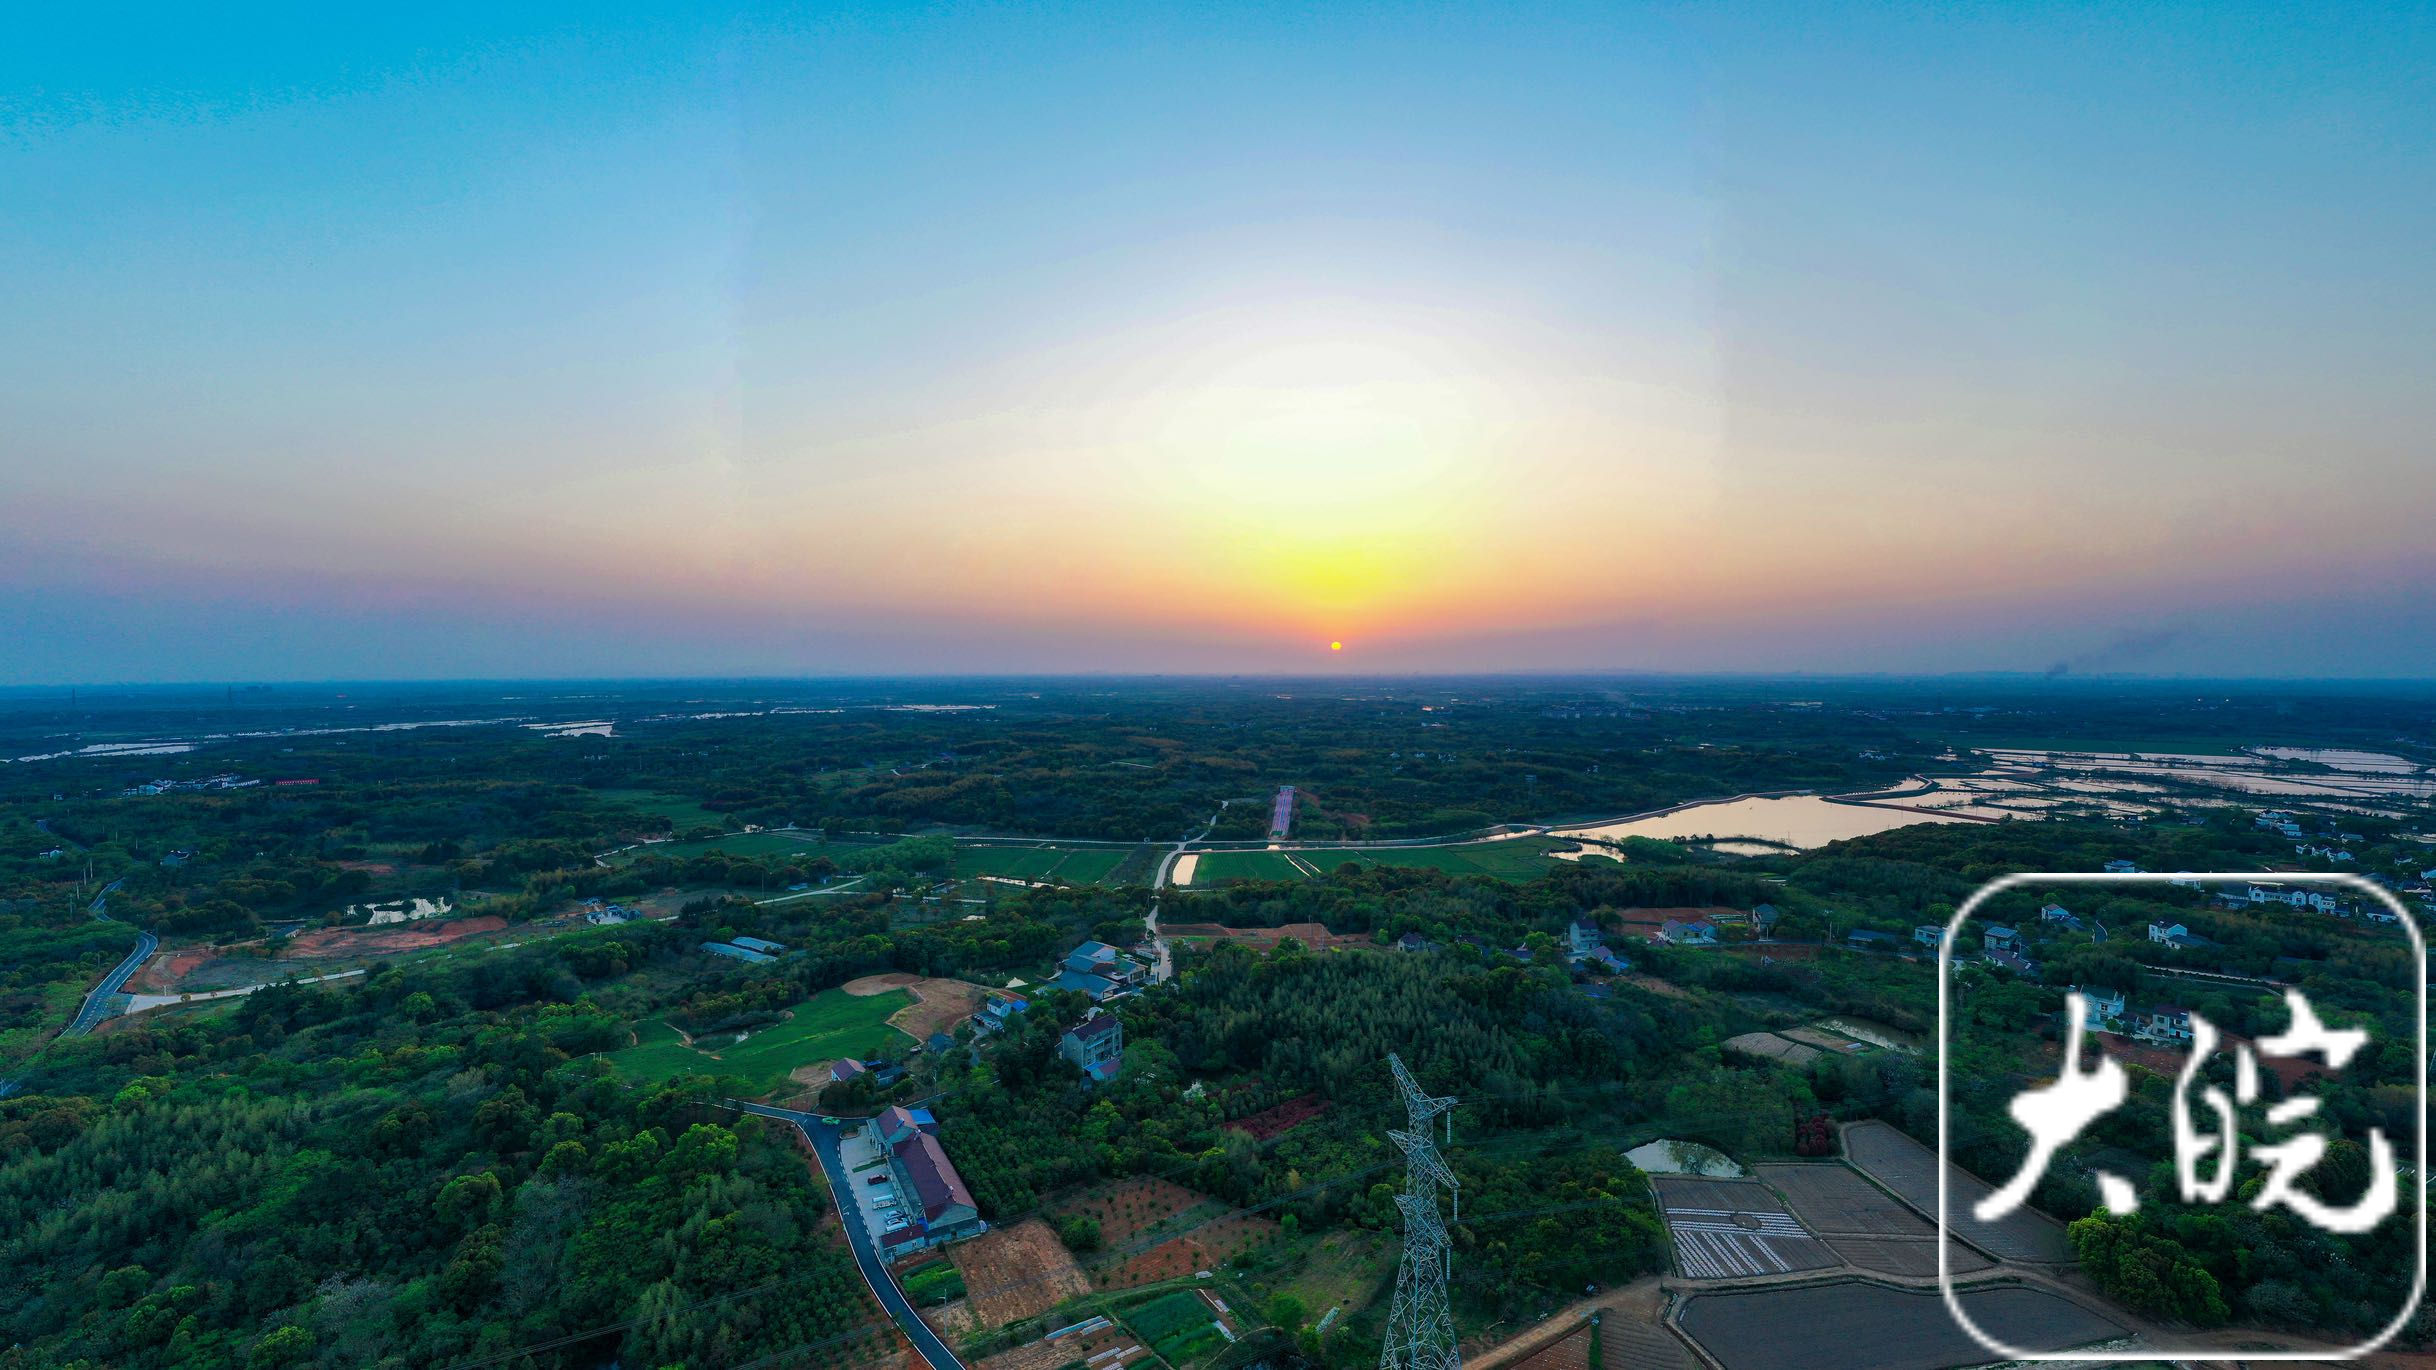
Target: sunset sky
(829, 340)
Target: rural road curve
(1166, 969)
(97, 1004)
(824, 1139)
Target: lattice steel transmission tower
(1420, 1327)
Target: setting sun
(1336, 646)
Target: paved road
(1166, 969)
(97, 1004)
(824, 1139)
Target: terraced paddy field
(1849, 1325)
(1862, 1223)
(1060, 865)
(1909, 1169)
(828, 1025)
(1729, 1228)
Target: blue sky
(684, 339)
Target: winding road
(97, 1004)
(1166, 969)
(824, 1138)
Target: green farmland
(1519, 858)
(828, 1025)
(1179, 1326)
(681, 812)
(1219, 867)
(1064, 865)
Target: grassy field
(1219, 867)
(828, 1025)
(681, 812)
(1337, 1269)
(1065, 865)
(932, 1283)
(1519, 858)
(1137, 866)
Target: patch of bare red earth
(391, 938)
(162, 973)
(1010, 1274)
(1131, 1211)
(1272, 1123)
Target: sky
(615, 339)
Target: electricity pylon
(1420, 1327)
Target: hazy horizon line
(2059, 678)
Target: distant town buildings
(1095, 1045)
(230, 781)
(2014, 959)
(1583, 936)
(1698, 932)
(2166, 1023)
(1099, 971)
(997, 1011)
(2174, 936)
(1604, 961)
(2105, 1005)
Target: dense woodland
(417, 1172)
